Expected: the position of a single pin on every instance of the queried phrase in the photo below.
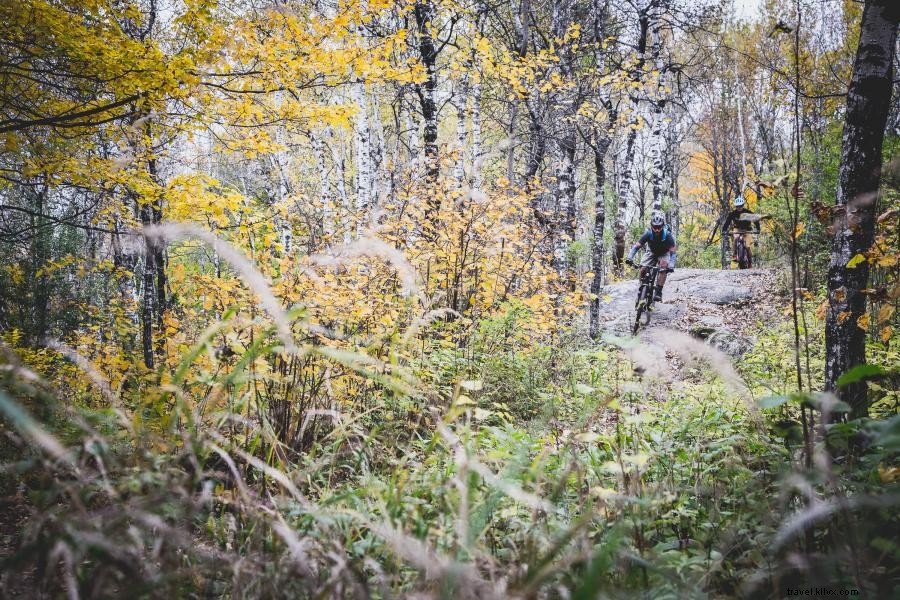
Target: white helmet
(657, 218)
(739, 202)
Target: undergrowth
(491, 468)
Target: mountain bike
(742, 250)
(643, 306)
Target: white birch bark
(462, 102)
(324, 186)
(381, 179)
(475, 147)
(363, 151)
(656, 108)
(411, 131)
(340, 180)
(280, 162)
(624, 192)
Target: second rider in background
(741, 228)
(660, 250)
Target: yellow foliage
(855, 261)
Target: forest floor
(725, 309)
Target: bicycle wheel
(743, 258)
(639, 308)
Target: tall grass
(610, 491)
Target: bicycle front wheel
(637, 321)
(743, 256)
(639, 308)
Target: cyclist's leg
(648, 260)
(734, 245)
(748, 241)
(663, 262)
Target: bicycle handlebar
(640, 266)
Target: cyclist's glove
(631, 254)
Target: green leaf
(19, 418)
(595, 578)
(771, 402)
(860, 372)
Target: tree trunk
(602, 142)
(40, 254)
(725, 244)
(340, 179)
(475, 158)
(462, 104)
(410, 127)
(324, 187)
(564, 211)
(424, 13)
(280, 161)
(868, 102)
(624, 193)
(658, 104)
(362, 146)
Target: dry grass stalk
(169, 232)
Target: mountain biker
(741, 228)
(660, 250)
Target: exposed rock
(711, 320)
(692, 297)
(729, 342)
(722, 293)
(702, 331)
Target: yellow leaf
(886, 333)
(884, 313)
(888, 474)
(820, 312)
(842, 316)
(863, 321)
(887, 261)
(799, 229)
(851, 264)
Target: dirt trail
(724, 308)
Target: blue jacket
(658, 244)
